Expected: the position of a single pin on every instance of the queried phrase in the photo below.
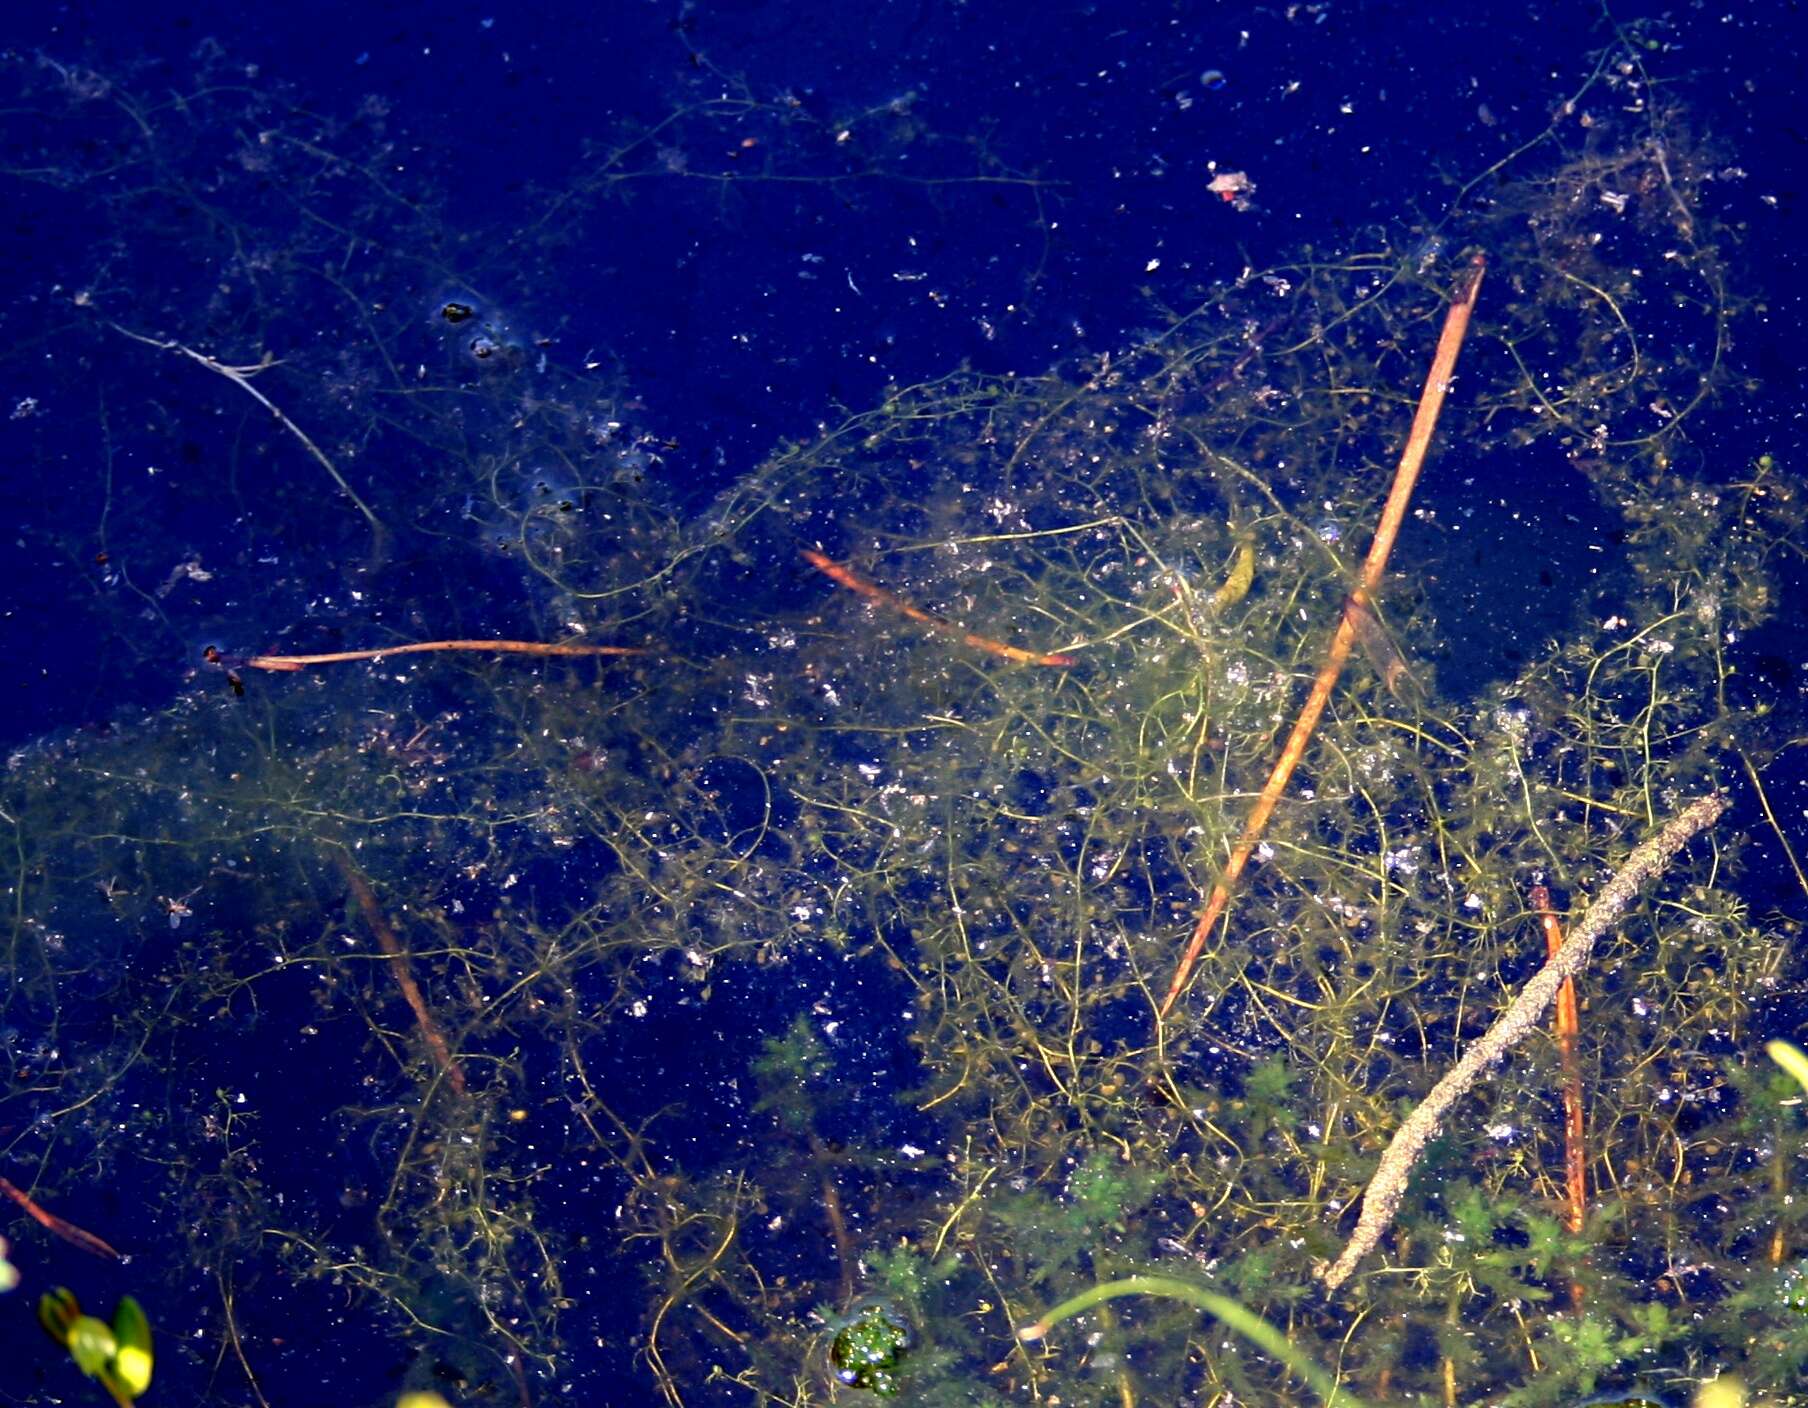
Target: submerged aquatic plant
(826, 951)
(117, 1354)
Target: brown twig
(845, 1254)
(419, 647)
(1393, 513)
(1382, 1199)
(399, 967)
(872, 591)
(63, 1228)
(1569, 1026)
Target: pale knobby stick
(1388, 1186)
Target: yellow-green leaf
(132, 1361)
(57, 1311)
(1791, 1058)
(91, 1345)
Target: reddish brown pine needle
(1343, 640)
(1569, 1026)
(68, 1231)
(401, 970)
(872, 591)
(492, 647)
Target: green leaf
(1474, 1215)
(57, 1311)
(119, 1355)
(1106, 1191)
(1655, 1323)
(1269, 1083)
(1791, 1058)
(91, 1345)
(131, 1368)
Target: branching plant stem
(241, 378)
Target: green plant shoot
(118, 1355)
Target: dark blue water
(825, 201)
(1022, 183)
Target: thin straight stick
(494, 647)
(872, 591)
(63, 1228)
(1393, 513)
(1569, 1027)
(401, 970)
